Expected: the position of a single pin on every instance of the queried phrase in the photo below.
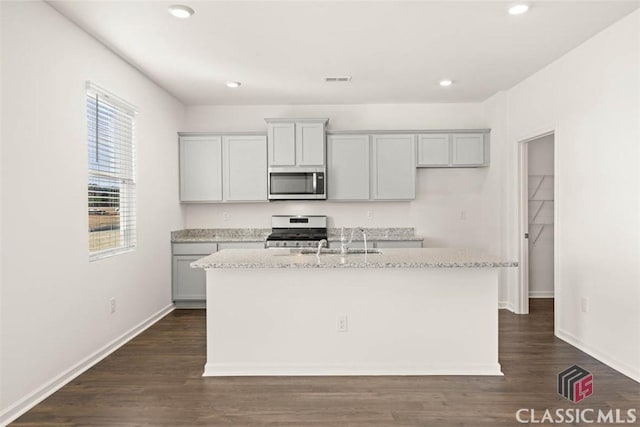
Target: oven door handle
(315, 183)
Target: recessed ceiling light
(518, 8)
(446, 82)
(181, 11)
(233, 84)
(338, 79)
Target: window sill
(95, 256)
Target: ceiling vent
(341, 79)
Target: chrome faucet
(343, 242)
(344, 245)
(322, 243)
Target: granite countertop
(406, 233)
(199, 235)
(195, 235)
(389, 258)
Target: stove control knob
(297, 243)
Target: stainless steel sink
(351, 251)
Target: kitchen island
(399, 312)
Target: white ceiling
(396, 51)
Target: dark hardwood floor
(155, 380)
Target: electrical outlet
(112, 305)
(225, 216)
(585, 305)
(463, 215)
(369, 214)
(343, 325)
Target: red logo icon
(575, 383)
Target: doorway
(538, 217)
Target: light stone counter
(200, 235)
(278, 312)
(389, 258)
(394, 233)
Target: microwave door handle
(315, 182)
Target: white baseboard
(255, 369)
(541, 294)
(506, 305)
(629, 371)
(47, 389)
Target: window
(112, 174)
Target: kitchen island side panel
(408, 321)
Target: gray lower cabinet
(188, 285)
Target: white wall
(541, 212)
(441, 194)
(591, 98)
(55, 303)
(341, 117)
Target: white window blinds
(112, 173)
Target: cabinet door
(468, 149)
(282, 144)
(348, 167)
(309, 144)
(394, 167)
(245, 168)
(189, 284)
(201, 169)
(433, 150)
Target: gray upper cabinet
(348, 162)
(200, 168)
(310, 144)
(468, 149)
(393, 167)
(296, 142)
(434, 150)
(440, 150)
(245, 168)
(223, 168)
(282, 144)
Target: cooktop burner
(296, 231)
(311, 234)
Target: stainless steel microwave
(297, 183)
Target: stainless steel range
(297, 231)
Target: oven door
(296, 183)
